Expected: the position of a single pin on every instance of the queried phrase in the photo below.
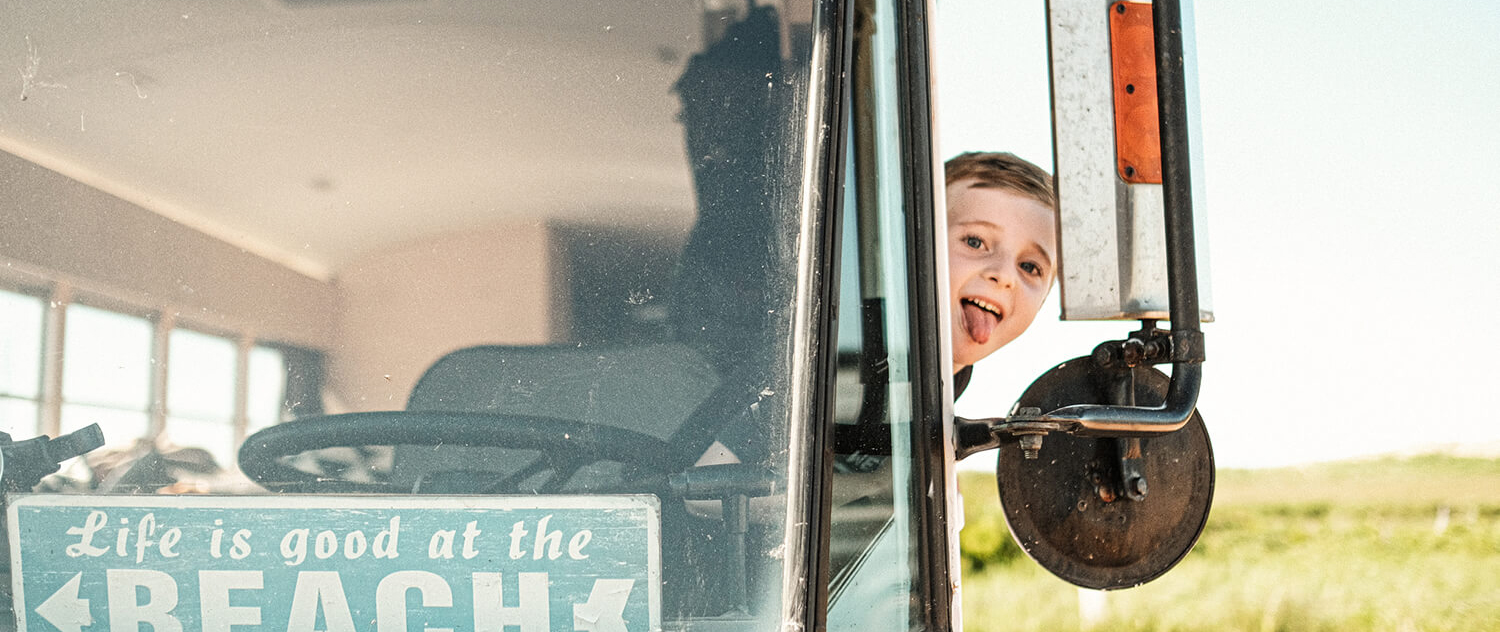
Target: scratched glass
(308, 249)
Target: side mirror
(1105, 472)
(1100, 507)
(1103, 512)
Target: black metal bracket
(733, 484)
(1144, 347)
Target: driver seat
(665, 391)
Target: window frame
(932, 382)
(818, 299)
(933, 478)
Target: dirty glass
(307, 248)
(876, 575)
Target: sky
(1352, 170)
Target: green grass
(1343, 546)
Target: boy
(1002, 252)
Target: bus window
(425, 249)
(201, 402)
(20, 361)
(107, 372)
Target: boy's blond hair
(1002, 170)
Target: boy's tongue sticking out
(979, 321)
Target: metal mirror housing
(1112, 239)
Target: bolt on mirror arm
(1186, 338)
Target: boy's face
(1002, 256)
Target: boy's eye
(1031, 268)
(973, 242)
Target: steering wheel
(564, 447)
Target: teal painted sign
(336, 563)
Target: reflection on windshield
(396, 248)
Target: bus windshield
(315, 248)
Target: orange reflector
(1133, 55)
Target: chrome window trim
(805, 576)
(932, 393)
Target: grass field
(1394, 544)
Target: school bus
(467, 315)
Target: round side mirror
(1106, 513)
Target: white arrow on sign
(605, 610)
(65, 610)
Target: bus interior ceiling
(382, 182)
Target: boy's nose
(1001, 275)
